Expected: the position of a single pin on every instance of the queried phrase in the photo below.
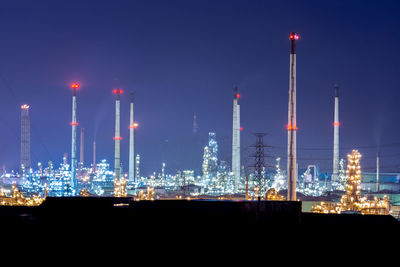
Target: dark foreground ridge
(104, 212)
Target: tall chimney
(81, 147)
(94, 157)
(195, 127)
(378, 155)
(25, 138)
(74, 124)
(236, 139)
(131, 145)
(117, 137)
(292, 126)
(336, 125)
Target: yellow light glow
(352, 199)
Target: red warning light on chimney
(134, 126)
(75, 85)
(294, 36)
(118, 91)
(289, 127)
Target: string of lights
(394, 144)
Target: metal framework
(259, 159)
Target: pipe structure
(74, 124)
(292, 126)
(117, 137)
(131, 144)
(336, 125)
(236, 139)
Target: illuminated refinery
(352, 200)
(218, 176)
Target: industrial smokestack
(117, 137)
(131, 144)
(74, 124)
(336, 125)
(195, 127)
(81, 147)
(94, 157)
(236, 139)
(292, 126)
(25, 138)
(378, 155)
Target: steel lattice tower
(25, 137)
(259, 157)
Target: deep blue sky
(180, 57)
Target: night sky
(180, 57)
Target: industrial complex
(265, 195)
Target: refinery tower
(81, 151)
(132, 127)
(74, 124)
(236, 139)
(94, 157)
(292, 126)
(336, 125)
(117, 137)
(25, 138)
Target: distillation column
(236, 139)
(25, 139)
(292, 126)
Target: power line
(395, 144)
